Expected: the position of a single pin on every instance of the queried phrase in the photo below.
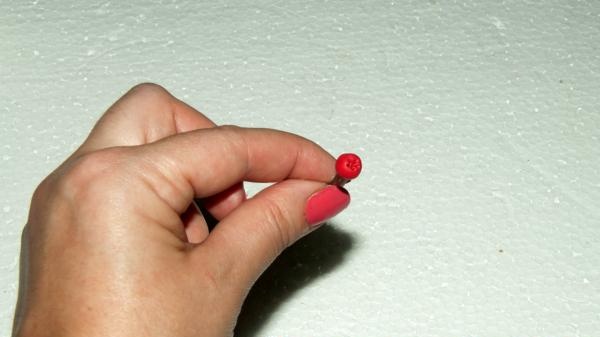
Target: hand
(114, 247)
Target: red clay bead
(347, 167)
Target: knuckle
(41, 202)
(231, 132)
(148, 88)
(87, 172)
(81, 188)
(91, 165)
(233, 137)
(41, 192)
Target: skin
(113, 247)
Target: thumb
(256, 232)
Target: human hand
(114, 247)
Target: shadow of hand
(306, 260)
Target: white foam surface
(478, 121)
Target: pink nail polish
(325, 204)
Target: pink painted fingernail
(325, 204)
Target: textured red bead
(347, 167)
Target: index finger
(210, 160)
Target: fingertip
(325, 204)
(196, 229)
(223, 203)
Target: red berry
(348, 166)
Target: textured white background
(478, 213)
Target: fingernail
(325, 204)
